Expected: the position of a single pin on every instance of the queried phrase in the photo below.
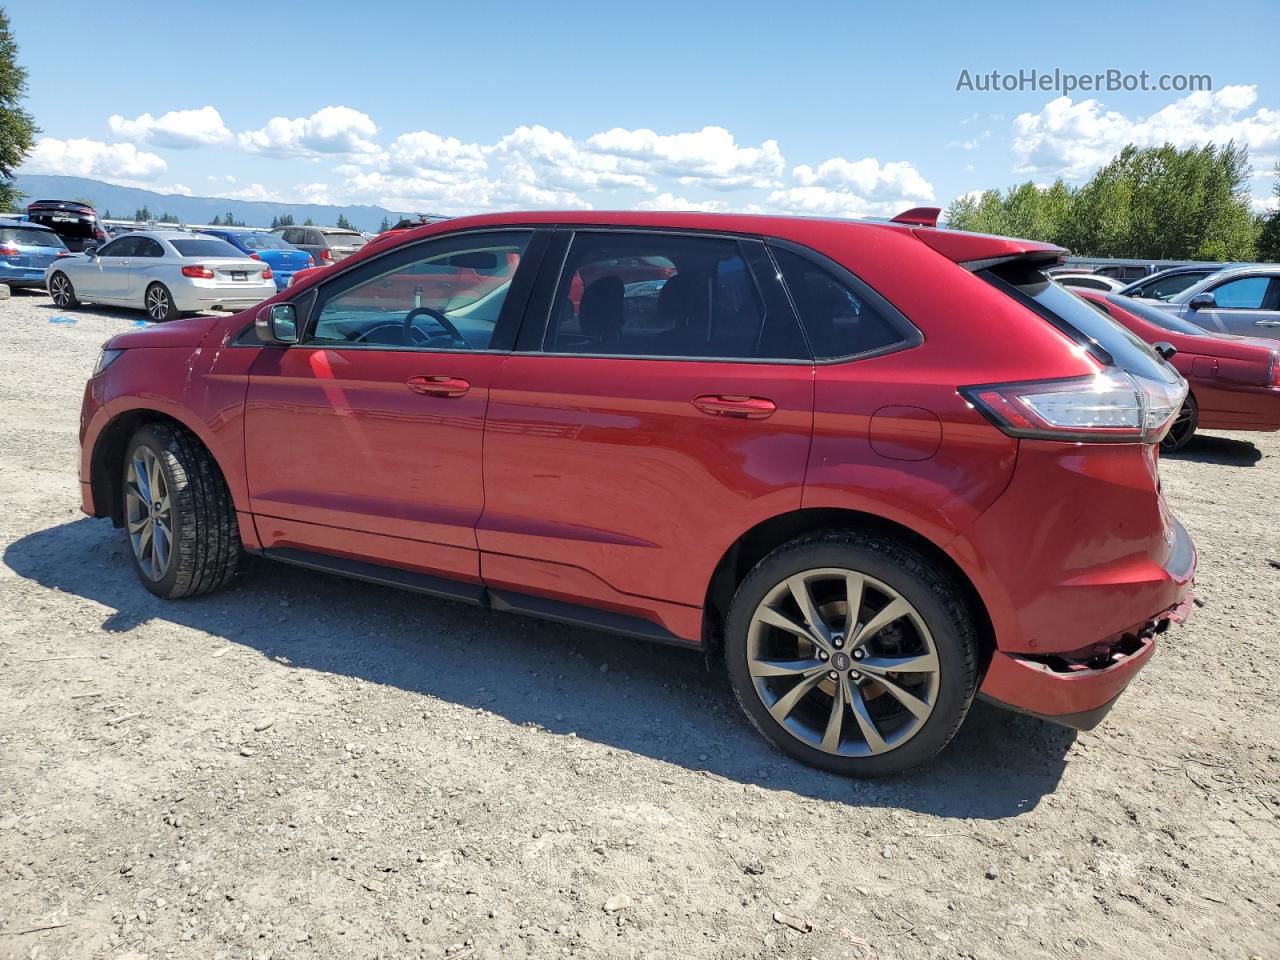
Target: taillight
(100, 235)
(311, 261)
(254, 256)
(199, 271)
(266, 273)
(1275, 368)
(1110, 407)
(8, 251)
(326, 255)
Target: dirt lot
(308, 767)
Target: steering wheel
(445, 323)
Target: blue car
(25, 250)
(284, 259)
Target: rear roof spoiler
(977, 251)
(919, 216)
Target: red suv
(883, 468)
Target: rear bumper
(238, 297)
(22, 276)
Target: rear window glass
(1073, 317)
(1157, 317)
(31, 238)
(205, 247)
(344, 239)
(263, 241)
(840, 319)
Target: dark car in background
(76, 223)
(25, 250)
(1167, 283)
(284, 258)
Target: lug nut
(833, 675)
(822, 654)
(858, 654)
(854, 675)
(838, 641)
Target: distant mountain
(121, 202)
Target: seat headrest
(600, 312)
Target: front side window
(665, 295)
(840, 317)
(449, 297)
(1247, 293)
(118, 248)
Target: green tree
(286, 220)
(1269, 232)
(216, 221)
(308, 222)
(344, 223)
(384, 226)
(17, 127)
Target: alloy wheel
(1184, 424)
(843, 662)
(158, 303)
(149, 513)
(61, 290)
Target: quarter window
(1247, 293)
(449, 297)
(841, 318)
(665, 295)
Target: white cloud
(424, 150)
(709, 157)
(93, 158)
(1072, 140)
(667, 201)
(331, 130)
(177, 129)
(536, 155)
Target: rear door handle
(742, 408)
(438, 386)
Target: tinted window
(839, 319)
(662, 295)
(1066, 311)
(146, 247)
(348, 241)
(1156, 316)
(205, 247)
(1247, 293)
(117, 248)
(31, 238)
(1163, 288)
(261, 241)
(450, 298)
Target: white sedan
(165, 272)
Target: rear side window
(841, 316)
(28, 237)
(666, 295)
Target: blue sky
(826, 108)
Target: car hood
(179, 333)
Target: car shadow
(1220, 450)
(656, 701)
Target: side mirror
(1201, 301)
(277, 324)
(1165, 349)
(90, 252)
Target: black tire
(933, 594)
(1184, 427)
(158, 302)
(205, 535)
(63, 291)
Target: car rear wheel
(178, 514)
(159, 303)
(62, 292)
(852, 652)
(1184, 427)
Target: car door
(147, 252)
(363, 440)
(634, 434)
(1248, 306)
(105, 276)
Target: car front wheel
(1184, 427)
(62, 292)
(178, 514)
(852, 652)
(159, 303)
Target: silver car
(325, 244)
(1244, 301)
(165, 272)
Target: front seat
(600, 313)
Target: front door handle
(742, 408)
(438, 386)
(1266, 323)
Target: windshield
(31, 238)
(263, 241)
(206, 247)
(1157, 317)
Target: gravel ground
(309, 767)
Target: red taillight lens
(254, 256)
(326, 255)
(311, 261)
(100, 235)
(1111, 407)
(266, 273)
(1275, 368)
(8, 251)
(200, 272)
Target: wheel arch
(753, 545)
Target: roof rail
(919, 216)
